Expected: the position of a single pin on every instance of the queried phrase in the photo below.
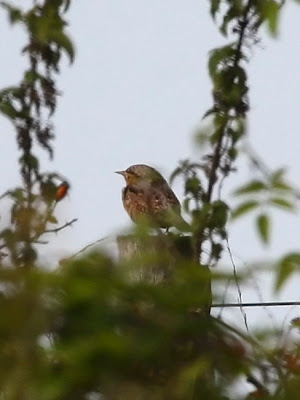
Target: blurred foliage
(89, 328)
(94, 328)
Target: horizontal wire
(259, 304)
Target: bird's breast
(134, 202)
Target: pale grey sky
(137, 91)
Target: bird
(147, 196)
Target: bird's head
(141, 173)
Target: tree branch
(55, 230)
(218, 149)
(87, 247)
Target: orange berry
(61, 191)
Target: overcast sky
(136, 94)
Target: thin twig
(224, 296)
(284, 332)
(217, 153)
(238, 286)
(55, 230)
(256, 286)
(218, 149)
(40, 242)
(87, 247)
(261, 166)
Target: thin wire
(257, 304)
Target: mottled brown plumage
(147, 195)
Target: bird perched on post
(147, 195)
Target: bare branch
(40, 242)
(55, 230)
(87, 247)
(238, 286)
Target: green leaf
(295, 322)
(219, 214)
(263, 227)
(192, 185)
(215, 135)
(251, 187)
(209, 112)
(216, 250)
(17, 194)
(273, 17)
(283, 186)
(7, 96)
(236, 9)
(52, 219)
(218, 56)
(177, 171)
(48, 190)
(14, 13)
(244, 208)
(270, 11)
(62, 40)
(186, 204)
(31, 76)
(282, 203)
(233, 153)
(8, 109)
(278, 175)
(278, 182)
(214, 7)
(286, 266)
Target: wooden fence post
(165, 250)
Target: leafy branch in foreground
(225, 135)
(30, 107)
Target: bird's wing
(161, 200)
(165, 208)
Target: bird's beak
(123, 173)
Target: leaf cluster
(273, 191)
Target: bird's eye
(131, 178)
(131, 172)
